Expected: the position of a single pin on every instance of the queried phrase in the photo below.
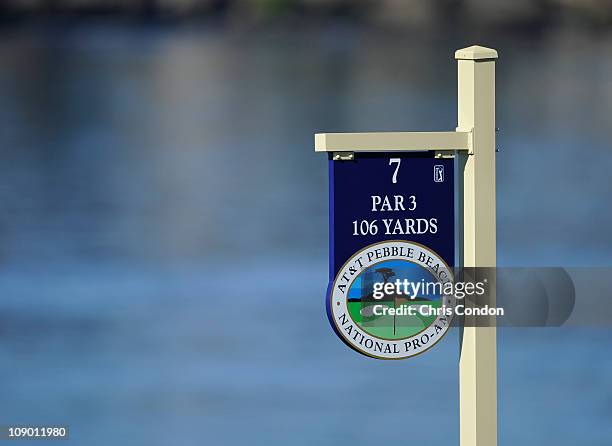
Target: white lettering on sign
(380, 204)
(397, 161)
(395, 226)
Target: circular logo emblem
(392, 300)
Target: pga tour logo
(438, 173)
(394, 325)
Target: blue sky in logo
(402, 269)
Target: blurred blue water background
(163, 232)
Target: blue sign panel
(391, 196)
(392, 234)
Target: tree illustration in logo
(386, 273)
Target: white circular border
(406, 347)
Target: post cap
(475, 53)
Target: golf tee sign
(395, 207)
(396, 227)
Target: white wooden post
(474, 143)
(478, 361)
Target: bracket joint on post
(470, 139)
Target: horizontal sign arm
(391, 141)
